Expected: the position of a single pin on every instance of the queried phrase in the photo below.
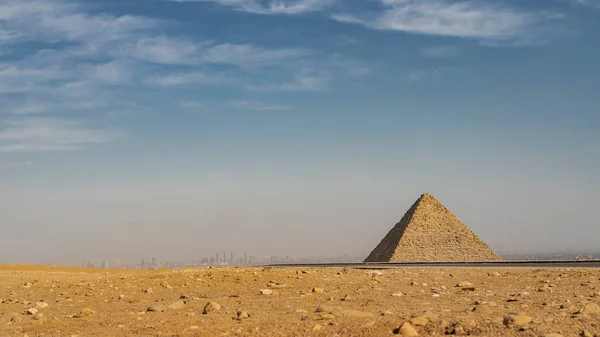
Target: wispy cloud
(467, 19)
(50, 135)
(249, 55)
(181, 79)
(59, 20)
(272, 7)
(258, 106)
(302, 81)
(593, 3)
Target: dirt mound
(429, 232)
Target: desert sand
(44, 301)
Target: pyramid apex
(427, 196)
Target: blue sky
(182, 128)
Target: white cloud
(112, 72)
(593, 3)
(49, 135)
(163, 49)
(258, 106)
(302, 81)
(249, 55)
(29, 108)
(181, 51)
(272, 7)
(59, 20)
(179, 79)
(467, 19)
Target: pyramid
(429, 232)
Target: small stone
(419, 320)
(464, 284)
(590, 309)
(519, 319)
(376, 273)
(317, 290)
(211, 306)
(586, 333)
(31, 311)
(407, 330)
(317, 327)
(266, 292)
(85, 312)
(177, 305)
(120, 326)
(41, 305)
(242, 314)
(148, 290)
(156, 308)
(16, 319)
(458, 330)
(553, 335)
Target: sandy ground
(299, 302)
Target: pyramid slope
(429, 232)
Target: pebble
(266, 292)
(210, 307)
(590, 309)
(177, 305)
(16, 319)
(397, 294)
(376, 273)
(31, 311)
(519, 319)
(464, 284)
(317, 290)
(242, 314)
(41, 305)
(157, 308)
(419, 320)
(148, 290)
(553, 335)
(407, 330)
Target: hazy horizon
(179, 129)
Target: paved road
(498, 264)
